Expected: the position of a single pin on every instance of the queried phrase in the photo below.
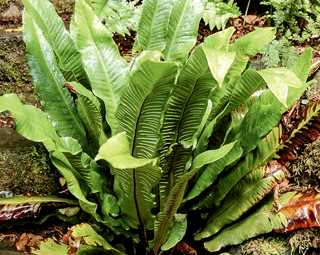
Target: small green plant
(118, 16)
(177, 132)
(296, 20)
(218, 12)
(279, 53)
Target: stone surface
(24, 166)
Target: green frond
(89, 110)
(153, 24)
(248, 192)
(68, 58)
(186, 108)
(134, 180)
(264, 220)
(183, 28)
(149, 87)
(106, 69)
(49, 83)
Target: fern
(218, 12)
(296, 20)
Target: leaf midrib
(59, 89)
(168, 54)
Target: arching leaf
(152, 28)
(134, 177)
(49, 83)
(89, 111)
(148, 90)
(211, 172)
(246, 194)
(44, 15)
(184, 114)
(106, 69)
(264, 220)
(183, 28)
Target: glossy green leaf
(152, 28)
(184, 114)
(284, 84)
(211, 172)
(50, 247)
(49, 83)
(175, 197)
(89, 111)
(106, 69)
(30, 121)
(264, 220)
(246, 195)
(177, 232)
(44, 15)
(148, 90)
(135, 178)
(92, 238)
(219, 63)
(251, 43)
(183, 28)
(19, 199)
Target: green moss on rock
(26, 170)
(262, 246)
(305, 169)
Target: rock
(24, 166)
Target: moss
(262, 246)
(305, 241)
(26, 170)
(14, 72)
(305, 169)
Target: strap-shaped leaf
(183, 117)
(106, 69)
(75, 186)
(19, 199)
(247, 193)
(143, 101)
(177, 232)
(219, 63)
(35, 126)
(211, 172)
(266, 149)
(253, 42)
(44, 15)
(175, 197)
(303, 65)
(264, 220)
(284, 84)
(249, 82)
(49, 83)
(183, 28)
(257, 122)
(89, 111)
(30, 121)
(134, 177)
(152, 28)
